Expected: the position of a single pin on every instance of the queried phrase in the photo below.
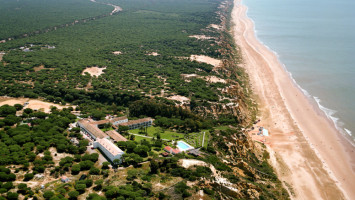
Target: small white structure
(111, 151)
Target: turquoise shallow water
(315, 40)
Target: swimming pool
(183, 146)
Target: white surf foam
(348, 131)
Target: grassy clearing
(164, 134)
(194, 139)
(140, 138)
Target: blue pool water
(183, 146)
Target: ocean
(315, 40)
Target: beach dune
(309, 155)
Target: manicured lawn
(194, 139)
(139, 138)
(167, 134)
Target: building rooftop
(105, 121)
(92, 128)
(176, 151)
(118, 119)
(116, 136)
(167, 148)
(109, 146)
(131, 122)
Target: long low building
(114, 121)
(116, 136)
(90, 129)
(134, 124)
(118, 120)
(111, 151)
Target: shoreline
(308, 152)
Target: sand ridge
(307, 151)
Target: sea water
(315, 40)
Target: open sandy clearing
(206, 59)
(215, 79)
(215, 26)
(117, 52)
(153, 54)
(34, 104)
(94, 71)
(201, 37)
(189, 75)
(39, 68)
(179, 98)
(186, 163)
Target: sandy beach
(309, 155)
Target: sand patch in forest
(117, 52)
(94, 71)
(201, 37)
(179, 98)
(153, 54)
(215, 26)
(206, 59)
(34, 104)
(215, 79)
(39, 68)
